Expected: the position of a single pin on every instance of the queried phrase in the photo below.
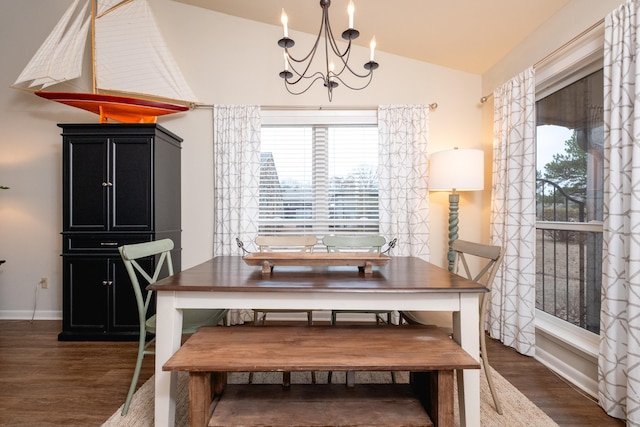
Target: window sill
(571, 335)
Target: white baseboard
(584, 382)
(570, 352)
(28, 315)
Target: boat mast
(94, 83)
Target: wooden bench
(212, 352)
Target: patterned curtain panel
(513, 213)
(236, 151)
(403, 197)
(619, 360)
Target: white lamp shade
(459, 170)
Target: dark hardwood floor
(44, 382)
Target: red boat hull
(113, 107)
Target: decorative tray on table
(363, 260)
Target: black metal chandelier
(296, 71)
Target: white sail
(132, 57)
(60, 57)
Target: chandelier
(296, 71)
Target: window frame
(564, 67)
(320, 118)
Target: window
(318, 175)
(570, 173)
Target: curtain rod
(556, 51)
(570, 42)
(432, 106)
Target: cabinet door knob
(107, 184)
(107, 282)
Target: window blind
(319, 179)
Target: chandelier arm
(345, 65)
(327, 79)
(303, 74)
(315, 76)
(287, 84)
(333, 43)
(336, 50)
(309, 57)
(311, 54)
(362, 76)
(368, 66)
(356, 88)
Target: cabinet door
(99, 295)
(86, 294)
(86, 184)
(131, 194)
(123, 310)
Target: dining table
(402, 283)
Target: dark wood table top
(400, 274)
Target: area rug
(518, 411)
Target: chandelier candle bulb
(284, 20)
(372, 45)
(286, 62)
(350, 10)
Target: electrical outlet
(44, 283)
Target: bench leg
(351, 379)
(286, 379)
(435, 391)
(200, 391)
(218, 383)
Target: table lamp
(456, 170)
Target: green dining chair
(136, 257)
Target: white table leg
(168, 337)
(465, 332)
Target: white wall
(226, 60)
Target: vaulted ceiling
(468, 35)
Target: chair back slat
(302, 243)
(492, 256)
(141, 250)
(131, 254)
(362, 243)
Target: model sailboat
(134, 76)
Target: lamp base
(454, 200)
